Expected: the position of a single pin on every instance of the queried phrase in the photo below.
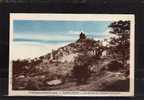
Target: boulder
(54, 82)
(113, 66)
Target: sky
(33, 38)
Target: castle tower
(82, 36)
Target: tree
(120, 42)
(81, 70)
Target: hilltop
(54, 70)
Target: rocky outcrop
(58, 64)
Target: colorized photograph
(91, 57)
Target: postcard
(71, 54)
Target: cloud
(45, 37)
(105, 35)
(66, 36)
(94, 35)
(75, 32)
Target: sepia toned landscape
(86, 63)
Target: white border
(74, 17)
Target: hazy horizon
(33, 38)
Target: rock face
(70, 51)
(65, 56)
(58, 64)
(69, 58)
